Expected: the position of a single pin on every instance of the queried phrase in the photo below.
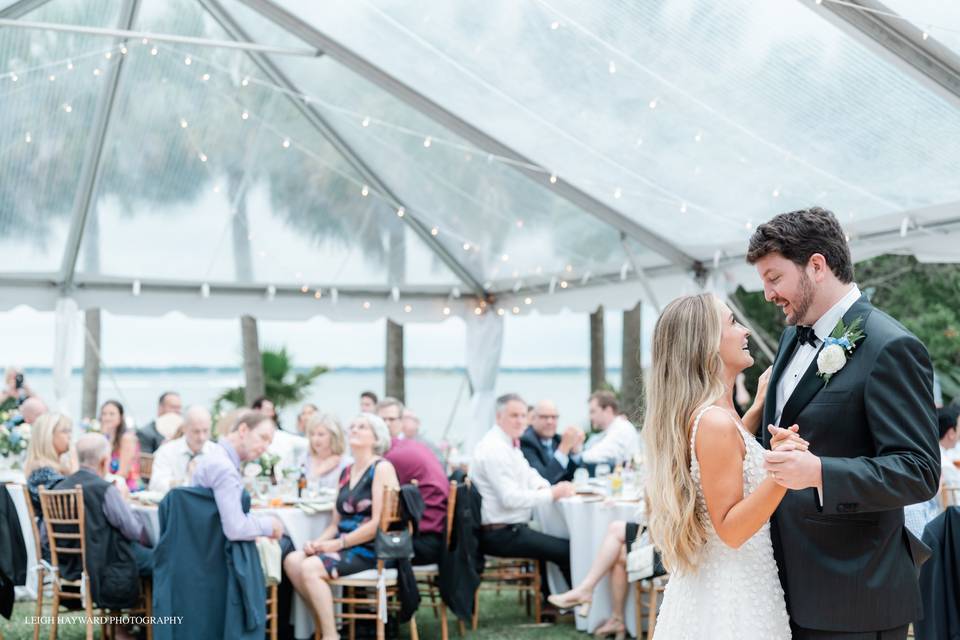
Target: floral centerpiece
(14, 440)
(263, 467)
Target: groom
(860, 387)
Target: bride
(708, 497)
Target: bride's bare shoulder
(716, 431)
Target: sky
(27, 339)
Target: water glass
(581, 477)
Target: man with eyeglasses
(553, 456)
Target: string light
(554, 25)
(776, 192)
(108, 55)
(286, 143)
(154, 51)
(553, 178)
(653, 103)
(123, 50)
(183, 123)
(96, 71)
(477, 311)
(612, 67)
(407, 308)
(205, 77)
(244, 116)
(203, 157)
(617, 193)
(698, 137)
(427, 142)
(564, 284)
(365, 191)
(187, 61)
(365, 122)
(67, 108)
(519, 224)
(516, 310)
(14, 77)
(70, 66)
(683, 207)
(434, 231)
(505, 257)
(466, 246)
(245, 81)
(304, 289)
(400, 212)
(568, 268)
(528, 301)
(317, 295)
(500, 311)
(52, 78)
(366, 304)
(145, 41)
(28, 138)
(446, 311)
(925, 35)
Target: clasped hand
(314, 547)
(790, 462)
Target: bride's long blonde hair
(685, 374)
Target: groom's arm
(898, 398)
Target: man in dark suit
(846, 561)
(553, 456)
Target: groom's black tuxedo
(848, 566)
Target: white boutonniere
(838, 348)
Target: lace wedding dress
(734, 594)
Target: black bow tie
(806, 335)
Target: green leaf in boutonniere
(838, 348)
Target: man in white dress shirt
(619, 441)
(174, 461)
(510, 489)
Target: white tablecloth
(300, 526)
(585, 523)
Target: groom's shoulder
(885, 327)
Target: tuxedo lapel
(811, 383)
(789, 345)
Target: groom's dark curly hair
(797, 235)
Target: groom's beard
(805, 301)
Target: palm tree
(283, 385)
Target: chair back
(146, 466)
(451, 510)
(390, 512)
(64, 519)
(33, 521)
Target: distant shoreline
(195, 369)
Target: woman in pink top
(124, 447)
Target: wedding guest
(553, 456)
(116, 540)
(303, 417)
(368, 402)
(174, 461)
(124, 448)
(410, 430)
(48, 462)
(510, 488)
(949, 422)
(31, 409)
(226, 421)
(619, 441)
(289, 447)
(15, 388)
(324, 461)
(265, 405)
(151, 439)
(219, 470)
(346, 545)
(413, 460)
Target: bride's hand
(787, 439)
(762, 383)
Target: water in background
(433, 394)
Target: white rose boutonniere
(838, 348)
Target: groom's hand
(794, 469)
(786, 439)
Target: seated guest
(413, 460)
(151, 439)
(227, 421)
(290, 447)
(48, 462)
(368, 402)
(124, 447)
(31, 409)
(619, 440)
(346, 546)
(552, 456)
(303, 417)
(949, 420)
(510, 488)
(265, 405)
(116, 540)
(219, 470)
(324, 461)
(411, 431)
(174, 461)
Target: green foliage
(283, 385)
(925, 298)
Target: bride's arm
(754, 415)
(720, 451)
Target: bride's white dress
(734, 594)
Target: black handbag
(393, 545)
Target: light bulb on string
(466, 246)
(205, 77)
(52, 78)
(68, 108)
(244, 116)
(407, 308)
(96, 72)
(401, 212)
(245, 81)
(477, 311)
(553, 178)
(183, 123)
(108, 55)
(365, 122)
(446, 311)
(698, 137)
(203, 157)
(366, 304)
(776, 192)
(683, 207)
(14, 77)
(500, 311)
(505, 257)
(187, 61)
(653, 103)
(304, 289)
(28, 138)
(925, 35)
(70, 66)
(123, 50)
(554, 25)
(528, 301)
(286, 143)
(317, 295)
(564, 284)
(617, 193)
(519, 224)
(434, 231)
(612, 67)
(145, 41)
(365, 191)
(154, 51)
(427, 142)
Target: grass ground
(501, 618)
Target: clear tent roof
(625, 136)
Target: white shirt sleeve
(619, 444)
(164, 470)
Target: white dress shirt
(618, 443)
(805, 354)
(950, 475)
(509, 486)
(290, 447)
(170, 463)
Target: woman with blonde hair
(48, 460)
(708, 496)
(324, 460)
